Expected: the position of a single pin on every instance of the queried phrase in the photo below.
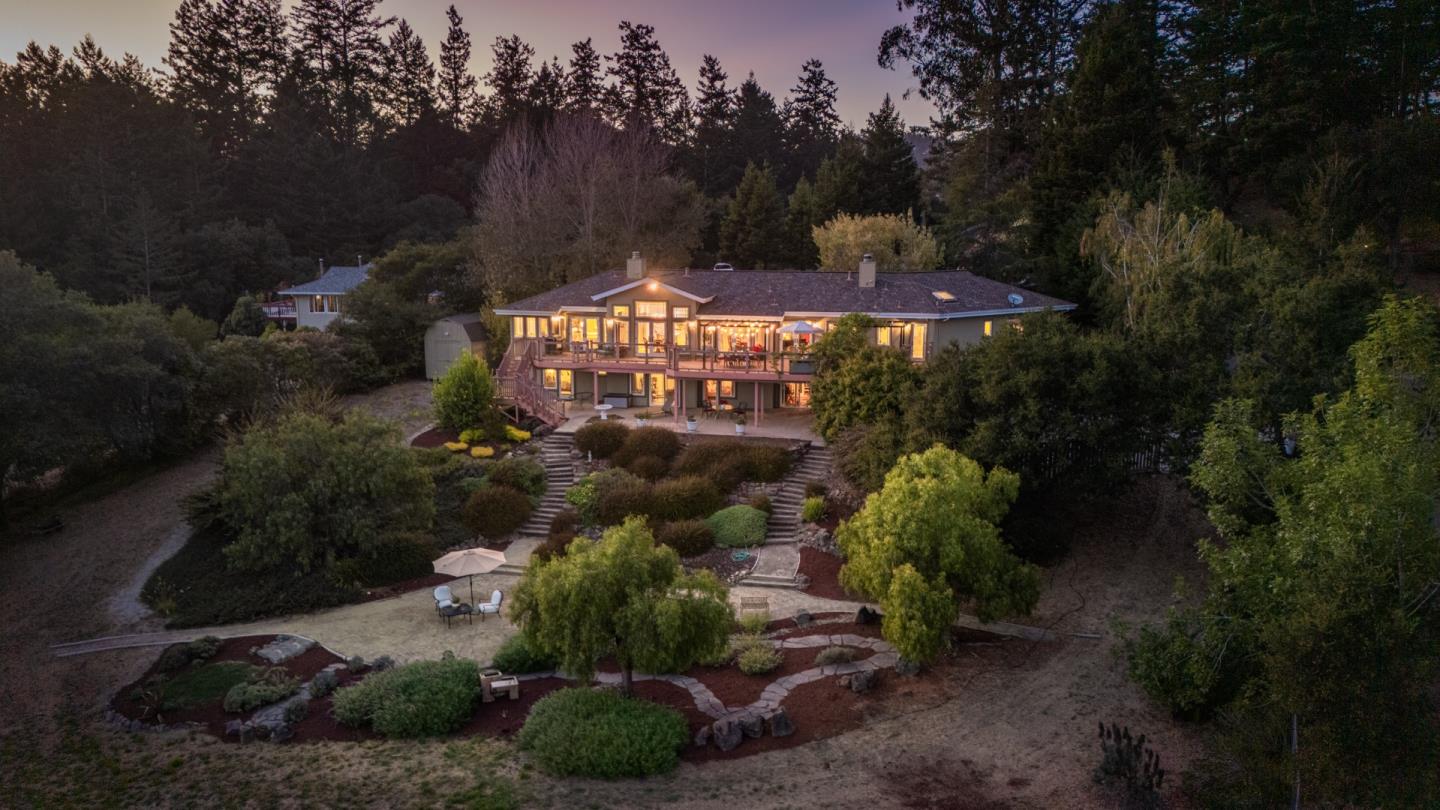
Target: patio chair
(493, 606)
(443, 598)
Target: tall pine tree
(759, 133)
(409, 76)
(456, 84)
(509, 82)
(340, 59)
(713, 157)
(890, 180)
(753, 234)
(647, 92)
(811, 124)
(584, 84)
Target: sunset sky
(770, 37)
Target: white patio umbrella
(800, 328)
(469, 562)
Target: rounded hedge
(524, 474)
(738, 526)
(422, 699)
(687, 537)
(495, 511)
(517, 657)
(651, 468)
(767, 463)
(659, 442)
(683, 498)
(599, 733)
(601, 439)
(618, 495)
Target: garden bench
(759, 603)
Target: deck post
(757, 404)
(595, 386)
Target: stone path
(774, 694)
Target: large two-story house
(685, 341)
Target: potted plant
(643, 418)
(739, 420)
(691, 423)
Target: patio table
(460, 609)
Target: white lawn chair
(493, 606)
(443, 598)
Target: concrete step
(791, 585)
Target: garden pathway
(778, 560)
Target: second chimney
(634, 266)
(867, 271)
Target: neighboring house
(319, 302)
(448, 338)
(281, 311)
(703, 339)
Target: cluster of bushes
(601, 439)
(421, 699)
(688, 537)
(261, 689)
(728, 462)
(405, 555)
(518, 656)
(179, 656)
(494, 511)
(562, 530)
(599, 733)
(738, 526)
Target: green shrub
(598, 733)
(324, 683)
(517, 656)
(651, 468)
(662, 443)
(601, 439)
(203, 648)
(738, 526)
(865, 453)
(683, 498)
(396, 559)
(619, 495)
(200, 685)
(421, 699)
(812, 509)
(495, 511)
(554, 545)
(1173, 664)
(762, 502)
(584, 496)
(296, 710)
(816, 489)
(766, 463)
(526, 475)
(174, 659)
(565, 521)
(687, 537)
(465, 397)
(758, 659)
(835, 655)
(270, 686)
(755, 623)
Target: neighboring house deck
(691, 340)
(318, 303)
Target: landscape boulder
(867, 616)
(780, 723)
(702, 737)
(752, 724)
(803, 619)
(903, 667)
(726, 733)
(862, 681)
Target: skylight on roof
(943, 296)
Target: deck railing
(675, 357)
(517, 383)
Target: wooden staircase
(519, 393)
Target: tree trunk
(627, 674)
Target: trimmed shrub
(566, 521)
(755, 623)
(683, 498)
(812, 509)
(601, 439)
(203, 648)
(465, 396)
(271, 686)
(618, 494)
(421, 699)
(324, 683)
(472, 436)
(599, 733)
(835, 655)
(687, 537)
(758, 659)
(766, 462)
(651, 468)
(495, 511)
(662, 443)
(583, 497)
(519, 473)
(762, 502)
(816, 489)
(517, 657)
(738, 526)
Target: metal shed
(448, 338)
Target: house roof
(805, 293)
(337, 280)
(473, 325)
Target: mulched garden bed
(820, 709)
(736, 689)
(831, 628)
(427, 582)
(722, 563)
(823, 570)
(437, 437)
(213, 715)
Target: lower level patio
(788, 423)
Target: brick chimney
(867, 271)
(634, 266)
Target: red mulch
(836, 511)
(213, 716)
(504, 717)
(426, 582)
(819, 710)
(735, 689)
(832, 628)
(435, 437)
(824, 573)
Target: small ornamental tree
(247, 318)
(306, 491)
(623, 596)
(895, 242)
(465, 396)
(930, 534)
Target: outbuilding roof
(805, 293)
(472, 324)
(337, 280)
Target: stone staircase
(559, 475)
(779, 558)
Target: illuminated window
(1016, 325)
(567, 382)
(637, 383)
(317, 303)
(882, 336)
(682, 333)
(727, 388)
(988, 327)
(654, 310)
(680, 313)
(620, 310)
(334, 303)
(550, 378)
(712, 389)
(917, 342)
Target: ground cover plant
(600, 733)
(517, 655)
(205, 683)
(419, 699)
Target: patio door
(657, 390)
(797, 395)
